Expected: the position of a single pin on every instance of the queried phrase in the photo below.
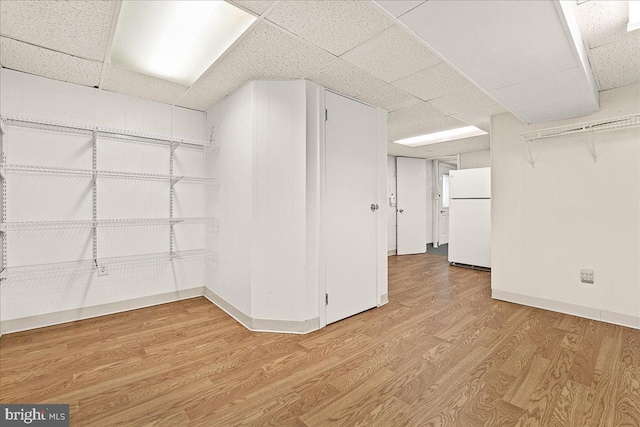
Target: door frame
(437, 200)
(381, 220)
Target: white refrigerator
(470, 217)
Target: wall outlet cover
(586, 276)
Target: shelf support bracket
(175, 179)
(175, 145)
(3, 126)
(529, 153)
(592, 143)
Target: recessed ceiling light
(634, 15)
(176, 40)
(446, 135)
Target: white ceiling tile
(392, 55)
(267, 52)
(140, 85)
(48, 63)
(399, 7)
(79, 28)
(335, 26)
(346, 79)
(414, 115)
(617, 64)
(255, 6)
(422, 127)
(198, 98)
(465, 100)
(481, 115)
(486, 126)
(435, 81)
(389, 97)
(602, 22)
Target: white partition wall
(103, 210)
(271, 203)
(571, 203)
(111, 203)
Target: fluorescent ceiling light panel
(634, 15)
(173, 39)
(445, 135)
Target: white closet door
(350, 223)
(412, 205)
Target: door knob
(400, 210)
(374, 207)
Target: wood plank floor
(441, 353)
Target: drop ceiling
(353, 47)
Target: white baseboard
(263, 325)
(566, 308)
(50, 319)
(384, 299)
(392, 252)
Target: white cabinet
(294, 202)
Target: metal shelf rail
(117, 222)
(59, 126)
(47, 271)
(8, 168)
(89, 266)
(615, 123)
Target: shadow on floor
(440, 250)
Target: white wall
(269, 165)
(475, 159)
(567, 213)
(261, 201)
(63, 197)
(279, 194)
(232, 164)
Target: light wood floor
(441, 353)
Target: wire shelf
(45, 225)
(45, 271)
(59, 126)
(48, 271)
(46, 170)
(116, 222)
(104, 173)
(624, 122)
(133, 175)
(48, 125)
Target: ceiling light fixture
(634, 15)
(446, 135)
(173, 39)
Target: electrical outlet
(586, 276)
(102, 270)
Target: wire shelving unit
(44, 271)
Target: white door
(443, 203)
(350, 232)
(411, 196)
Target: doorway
(441, 169)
